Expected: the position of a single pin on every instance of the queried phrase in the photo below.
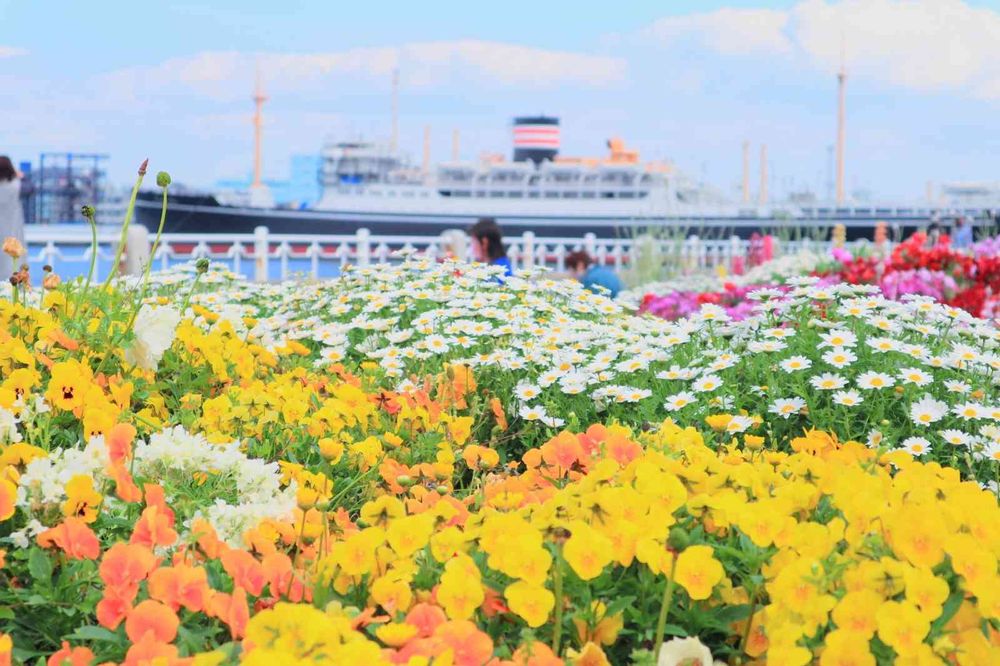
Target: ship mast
(762, 194)
(746, 172)
(258, 122)
(841, 130)
(394, 140)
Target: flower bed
(415, 464)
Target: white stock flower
(684, 651)
(154, 331)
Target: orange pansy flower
(151, 618)
(125, 487)
(125, 565)
(155, 527)
(149, 651)
(119, 441)
(115, 605)
(231, 609)
(245, 571)
(74, 537)
(67, 656)
(182, 585)
(426, 618)
(470, 646)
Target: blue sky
(680, 80)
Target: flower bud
(306, 498)
(442, 490)
(330, 449)
(201, 266)
(162, 179)
(405, 480)
(88, 212)
(143, 167)
(678, 539)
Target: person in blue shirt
(962, 238)
(487, 244)
(591, 275)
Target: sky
(682, 80)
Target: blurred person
(933, 234)
(592, 275)
(11, 209)
(962, 238)
(487, 244)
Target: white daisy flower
(955, 386)
(527, 392)
(956, 437)
(838, 338)
(763, 346)
(532, 413)
(875, 380)
(839, 358)
(794, 363)
(883, 345)
(915, 376)
(553, 422)
(828, 381)
(679, 401)
(738, 424)
(969, 411)
(915, 446)
(707, 383)
(991, 451)
(785, 407)
(849, 398)
(927, 410)
(780, 333)
(875, 438)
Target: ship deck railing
(264, 256)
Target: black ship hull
(203, 215)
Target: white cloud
(11, 51)
(924, 45)
(224, 75)
(728, 31)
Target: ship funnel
(536, 138)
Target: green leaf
(674, 630)
(731, 614)
(39, 565)
(948, 611)
(94, 633)
(6, 613)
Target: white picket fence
(292, 254)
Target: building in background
(299, 190)
(61, 184)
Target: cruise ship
(367, 185)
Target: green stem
(93, 261)
(746, 632)
(187, 299)
(128, 219)
(557, 576)
(149, 264)
(661, 622)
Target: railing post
(364, 250)
(136, 249)
(528, 249)
(284, 249)
(261, 254)
(590, 243)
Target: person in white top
(11, 212)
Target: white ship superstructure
(366, 179)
